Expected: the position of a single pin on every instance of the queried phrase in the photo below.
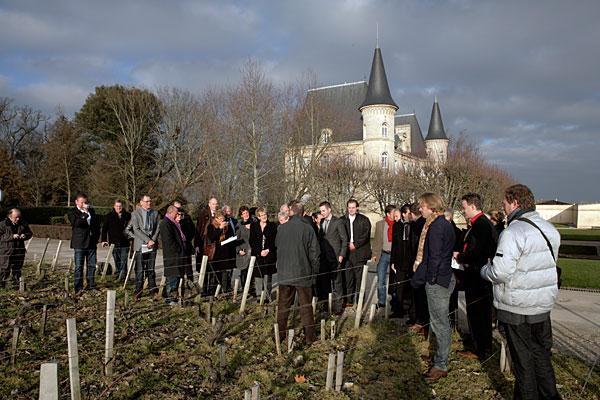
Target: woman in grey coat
(242, 250)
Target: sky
(519, 77)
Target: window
(384, 130)
(326, 136)
(384, 159)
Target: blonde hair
(260, 210)
(433, 201)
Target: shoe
(380, 305)
(434, 374)
(467, 354)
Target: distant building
(373, 128)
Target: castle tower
(436, 142)
(378, 111)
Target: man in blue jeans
(84, 238)
(433, 269)
(382, 247)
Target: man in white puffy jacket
(525, 281)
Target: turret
(436, 142)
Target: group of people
(422, 260)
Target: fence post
(55, 259)
(330, 303)
(372, 313)
(131, 261)
(236, 286)
(70, 265)
(110, 332)
(27, 244)
(247, 284)
(262, 298)
(21, 285)
(217, 290)
(256, 391)
(202, 274)
(222, 356)
(290, 339)
(161, 286)
(15, 343)
(248, 394)
(73, 359)
(387, 295)
(277, 339)
(106, 260)
(322, 330)
(49, 381)
(44, 319)
(330, 369)
(209, 311)
(39, 266)
(332, 330)
(361, 297)
(314, 306)
(339, 371)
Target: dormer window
(384, 159)
(326, 136)
(384, 130)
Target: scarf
(178, 228)
(390, 224)
(428, 222)
(517, 213)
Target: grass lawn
(579, 234)
(580, 273)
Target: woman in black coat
(262, 244)
(223, 261)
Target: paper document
(146, 249)
(231, 239)
(456, 265)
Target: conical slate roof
(378, 91)
(436, 126)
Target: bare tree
(184, 134)
(16, 124)
(67, 153)
(132, 152)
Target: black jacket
(480, 244)
(437, 255)
(113, 229)
(297, 253)
(189, 230)
(173, 249)
(84, 235)
(362, 239)
(401, 254)
(266, 264)
(224, 254)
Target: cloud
(527, 91)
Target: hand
(16, 236)
(455, 255)
(340, 259)
(150, 244)
(264, 253)
(242, 253)
(351, 246)
(104, 244)
(22, 236)
(223, 225)
(393, 268)
(374, 259)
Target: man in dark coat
(334, 246)
(173, 242)
(189, 229)
(419, 312)
(13, 234)
(113, 232)
(480, 244)
(84, 238)
(358, 229)
(297, 264)
(401, 258)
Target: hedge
(53, 215)
(62, 232)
